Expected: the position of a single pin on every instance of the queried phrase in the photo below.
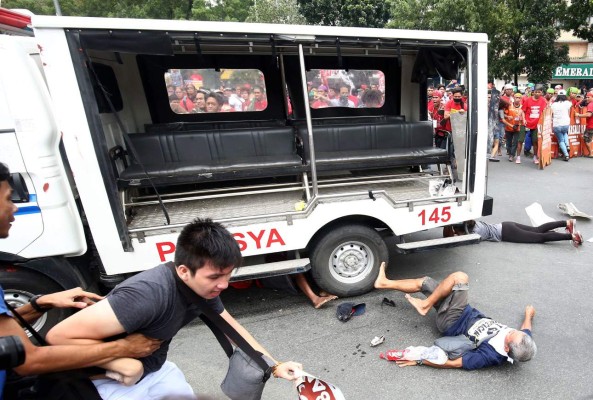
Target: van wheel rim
(18, 298)
(351, 261)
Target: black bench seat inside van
(197, 156)
(372, 145)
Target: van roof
(297, 31)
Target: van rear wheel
(21, 284)
(345, 260)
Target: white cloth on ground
(433, 354)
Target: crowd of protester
(344, 95)
(186, 99)
(188, 94)
(518, 116)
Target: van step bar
(297, 266)
(425, 245)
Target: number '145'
(437, 215)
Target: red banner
(544, 138)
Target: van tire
(20, 284)
(345, 260)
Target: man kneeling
(151, 303)
(493, 343)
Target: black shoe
(566, 158)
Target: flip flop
(387, 302)
(326, 299)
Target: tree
(522, 33)
(578, 19)
(39, 7)
(276, 12)
(221, 10)
(157, 9)
(362, 13)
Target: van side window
(108, 80)
(346, 88)
(210, 90)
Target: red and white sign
(312, 388)
(249, 240)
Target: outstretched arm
(72, 298)
(457, 363)
(287, 370)
(529, 314)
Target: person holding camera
(39, 360)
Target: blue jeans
(561, 133)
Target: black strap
(219, 326)
(274, 58)
(26, 325)
(339, 50)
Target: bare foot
(381, 281)
(418, 304)
(323, 299)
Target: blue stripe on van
(25, 210)
(28, 210)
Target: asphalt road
(504, 277)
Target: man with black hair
(151, 303)
(342, 100)
(39, 360)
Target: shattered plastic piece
(377, 340)
(572, 210)
(536, 214)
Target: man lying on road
(493, 343)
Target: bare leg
(402, 285)
(519, 148)
(494, 148)
(442, 290)
(317, 301)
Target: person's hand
(529, 312)
(406, 363)
(137, 345)
(72, 298)
(289, 370)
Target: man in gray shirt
(150, 303)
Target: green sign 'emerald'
(574, 71)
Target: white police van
(310, 144)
